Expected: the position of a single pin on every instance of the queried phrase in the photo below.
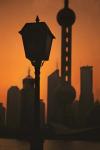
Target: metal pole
(37, 142)
(37, 97)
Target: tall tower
(53, 82)
(28, 81)
(2, 115)
(66, 18)
(27, 103)
(86, 96)
(13, 108)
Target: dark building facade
(53, 82)
(2, 115)
(27, 104)
(63, 93)
(66, 18)
(86, 101)
(86, 87)
(13, 108)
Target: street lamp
(37, 40)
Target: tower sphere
(66, 17)
(65, 92)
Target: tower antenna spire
(66, 3)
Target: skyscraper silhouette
(53, 82)
(28, 81)
(64, 93)
(27, 103)
(13, 108)
(66, 18)
(2, 115)
(86, 102)
(86, 81)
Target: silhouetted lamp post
(37, 40)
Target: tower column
(66, 18)
(69, 54)
(63, 54)
(66, 51)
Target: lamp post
(37, 40)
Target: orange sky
(86, 41)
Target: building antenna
(66, 3)
(57, 66)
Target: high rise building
(53, 82)
(27, 103)
(28, 81)
(66, 18)
(2, 115)
(86, 87)
(63, 93)
(13, 108)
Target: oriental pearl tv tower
(66, 18)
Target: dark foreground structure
(37, 39)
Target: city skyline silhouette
(66, 62)
(82, 31)
(71, 110)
